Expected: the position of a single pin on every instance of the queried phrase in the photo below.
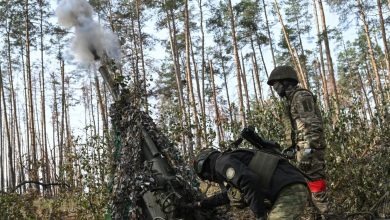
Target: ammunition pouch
(264, 165)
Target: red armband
(317, 186)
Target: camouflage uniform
(305, 131)
(289, 203)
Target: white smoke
(91, 41)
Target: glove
(289, 152)
(192, 205)
(306, 156)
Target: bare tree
(33, 142)
(329, 58)
(384, 37)
(171, 23)
(189, 78)
(245, 84)
(45, 158)
(321, 66)
(11, 168)
(203, 66)
(370, 50)
(238, 64)
(256, 80)
(269, 33)
(215, 102)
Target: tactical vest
(264, 165)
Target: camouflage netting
(132, 176)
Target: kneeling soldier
(253, 176)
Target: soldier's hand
(289, 152)
(236, 198)
(192, 205)
(306, 158)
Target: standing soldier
(304, 133)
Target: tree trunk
(33, 143)
(329, 59)
(135, 53)
(202, 132)
(216, 109)
(254, 87)
(321, 61)
(176, 60)
(238, 65)
(141, 51)
(45, 157)
(269, 34)
(259, 96)
(189, 79)
(27, 120)
(374, 94)
(362, 87)
(371, 51)
(226, 87)
(68, 145)
(304, 69)
(256, 82)
(62, 124)
(55, 131)
(265, 67)
(17, 133)
(201, 93)
(245, 84)
(14, 107)
(384, 37)
(11, 171)
(324, 84)
(101, 105)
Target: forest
(196, 72)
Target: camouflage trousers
(290, 203)
(313, 166)
(315, 169)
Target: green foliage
(87, 198)
(357, 161)
(267, 120)
(69, 205)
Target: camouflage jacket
(303, 120)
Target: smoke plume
(91, 41)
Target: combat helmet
(201, 158)
(282, 72)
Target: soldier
(253, 176)
(304, 132)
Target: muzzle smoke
(91, 41)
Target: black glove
(192, 205)
(289, 152)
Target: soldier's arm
(215, 200)
(305, 113)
